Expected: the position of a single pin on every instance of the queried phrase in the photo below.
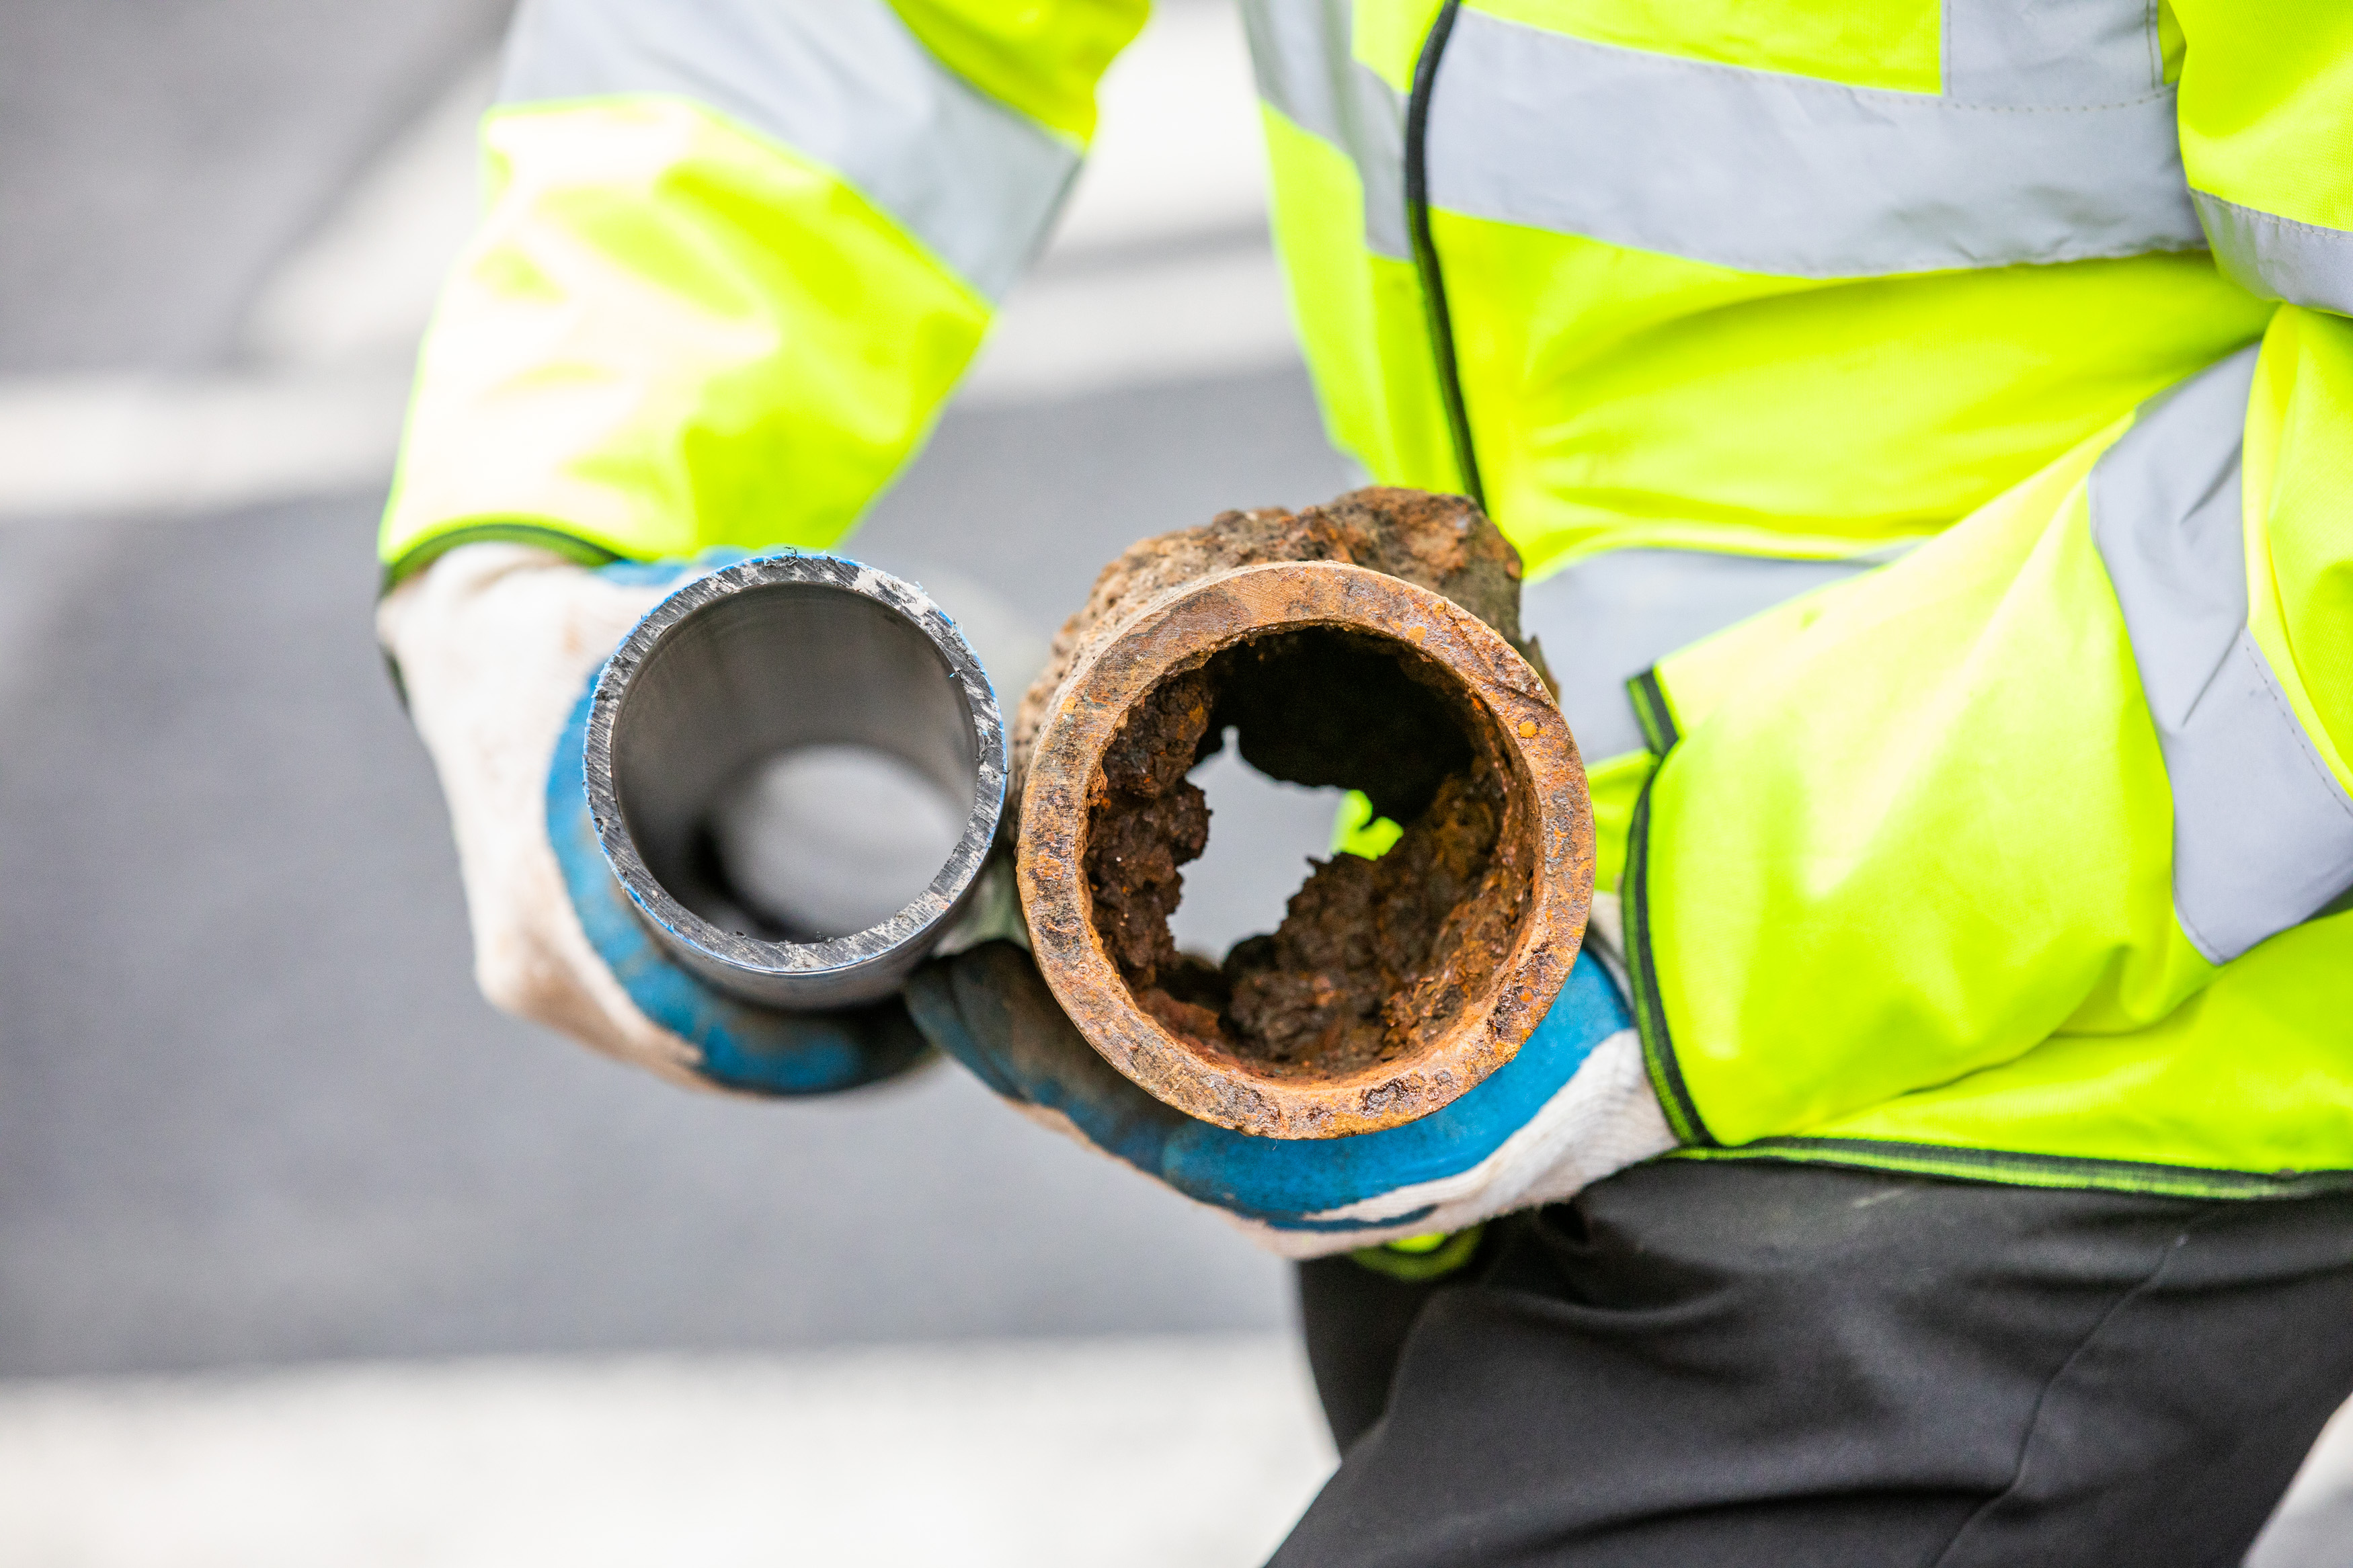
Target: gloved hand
(496, 647)
(1574, 1105)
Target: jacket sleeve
(2266, 112)
(2081, 760)
(734, 254)
(2266, 107)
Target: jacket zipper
(1425, 254)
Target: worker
(1941, 417)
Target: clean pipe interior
(795, 763)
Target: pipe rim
(1179, 627)
(823, 963)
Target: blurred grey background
(255, 1124)
(251, 1110)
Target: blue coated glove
(1573, 1106)
(735, 1044)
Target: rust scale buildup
(1373, 643)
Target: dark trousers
(1776, 1365)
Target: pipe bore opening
(795, 763)
(1373, 957)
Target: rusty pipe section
(1395, 985)
(755, 667)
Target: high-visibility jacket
(2012, 332)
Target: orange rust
(1073, 719)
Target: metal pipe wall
(768, 659)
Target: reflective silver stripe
(1784, 174)
(1299, 50)
(2263, 833)
(1606, 620)
(842, 82)
(2050, 54)
(2278, 259)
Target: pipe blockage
(1371, 644)
(1370, 951)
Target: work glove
(1574, 1105)
(496, 647)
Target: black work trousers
(1777, 1365)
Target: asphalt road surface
(250, 1108)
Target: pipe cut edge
(1180, 629)
(838, 971)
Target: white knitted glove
(497, 647)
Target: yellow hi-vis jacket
(2014, 846)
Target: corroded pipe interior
(1374, 956)
(1394, 984)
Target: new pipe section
(769, 751)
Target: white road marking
(1173, 1453)
(1178, 164)
(2313, 1526)
(113, 445)
(1188, 320)
(1148, 1453)
(1176, 150)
